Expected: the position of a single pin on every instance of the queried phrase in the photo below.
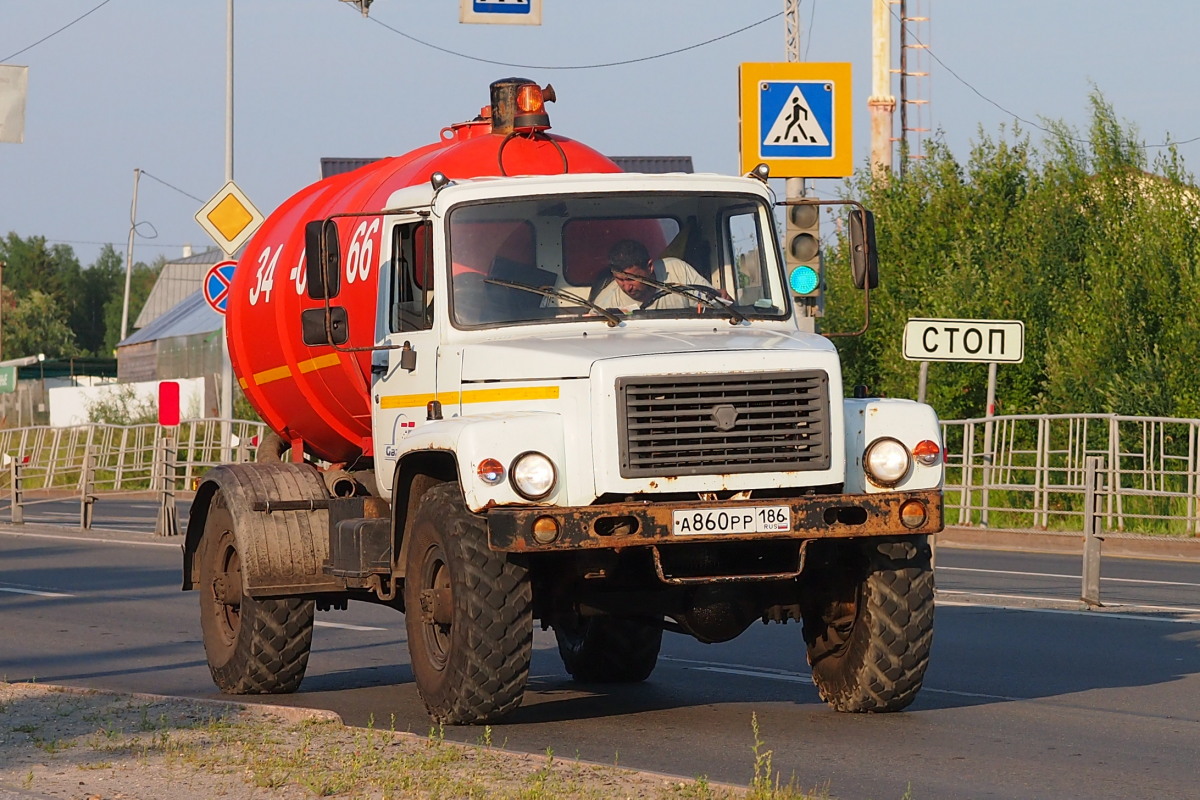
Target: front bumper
(616, 526)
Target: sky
(140, 84)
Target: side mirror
(864, 261)
(317, 327)
(323, 258)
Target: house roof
(178, 279)
(336, 166)
(191, 315)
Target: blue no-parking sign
(216, 285)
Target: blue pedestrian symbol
(795, 119)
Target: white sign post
(989, 341)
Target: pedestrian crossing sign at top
(796, 119)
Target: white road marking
(346, 626)
(33, 592)
(95, 539)
(1076, 612)
(804, 677)
(1071, 577)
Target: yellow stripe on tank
(270, 375)
(279, 373)
(320, 362)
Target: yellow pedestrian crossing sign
(796, 119)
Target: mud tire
(868, 624)
(471, 667)
(608, 649)
(253, 645)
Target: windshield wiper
(560, 294)
(701, 294)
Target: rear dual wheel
(253, 645)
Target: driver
(629, 258)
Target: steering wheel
(708, 291)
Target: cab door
(404, 375)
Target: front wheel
(253, 645)
(868, 623)
(468, 613)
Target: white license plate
(746, 519)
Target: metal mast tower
(914, 79)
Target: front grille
(715, 424)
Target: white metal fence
(1032, 475)
(121, 458)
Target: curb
(286, 713)
(1169, 548)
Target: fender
(502, 437)
(906, 420)
(282, 552)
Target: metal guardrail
(1034, 476)
(113, 460)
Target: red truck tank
(316, 398)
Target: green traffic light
(804, 280)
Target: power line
(574, 66)
(57, 32)
(1015, 115)
(176, 188)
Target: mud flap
(283, 552)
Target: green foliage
(1094, 248)
(122, 406)
(87, 300)
(37, 323)
(141, 281)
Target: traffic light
(802, 253)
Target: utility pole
(881, 103)
(137, 174)
(3, 264)
(226, 394)
(793, 187)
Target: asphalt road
(1026, 696)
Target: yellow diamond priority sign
(229, 218)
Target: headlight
(886, 461)
(532, 475)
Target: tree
(96, 286)
(34, 266)
(38, 324)
(1094, 248)
(141, 281)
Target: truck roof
(525, 185)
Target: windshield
(614, 257)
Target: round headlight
(532, 475)
(886, 461)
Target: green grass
(327, 759)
